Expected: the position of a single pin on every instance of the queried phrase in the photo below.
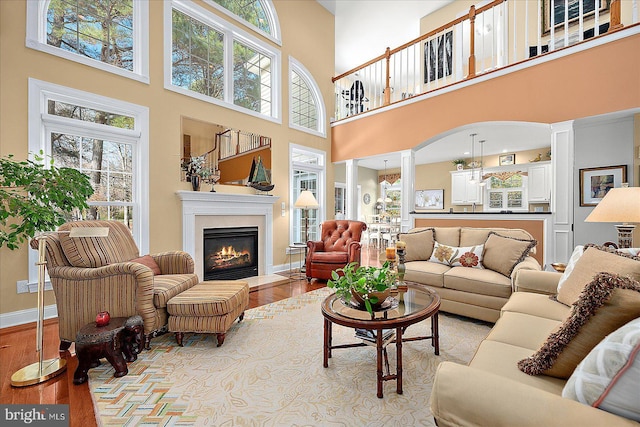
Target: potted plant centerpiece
(460, 163)
(367, 285)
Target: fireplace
(230, 253)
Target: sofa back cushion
(502, 253)
(449, 236)
(419, 243)
(472, 236)
(594, 260)
(607, 302)
(93, 252)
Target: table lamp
(620, 204)
(44, 370)
(306, 201)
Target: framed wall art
(595, 183)
(429, 199)
(507, 159)
(588, 10)
(438, 57)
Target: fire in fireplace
(230, 253)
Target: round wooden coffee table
(407, 307)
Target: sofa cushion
(594, 260)
(454, 256)
(148, 261)
(330, 258)
(471, 236)
(500, 358)
(425, 272)
(611, 386)
(483, 282)
(575, 256)
(522, 330)
(168, 286)
(607, 303)
(419, 243)
(502, 253)
(449, 236)
(539, 305)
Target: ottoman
(209, 307)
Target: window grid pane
(77, 112)
(252, 11)
(251, 79)
(303, 109)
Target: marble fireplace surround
(201, 209)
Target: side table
(300, 247)
(119, 342)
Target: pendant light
(482, 183)
(472, 180)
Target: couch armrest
(541, 282)
(529, 263)
(174, 262)
(467, 396)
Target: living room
(593, 126)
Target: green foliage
(363, 280)
(35, 198)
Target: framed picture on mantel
(595, 183)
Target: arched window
(260, 14)
(306, 109)
(110, 34)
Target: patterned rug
(269, 373)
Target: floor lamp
(44, 370)
(306, 201)
(620, 204)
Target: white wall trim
(20, 317)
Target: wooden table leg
(399, 360)
(327, 342)
(379, 361)
(435, 340)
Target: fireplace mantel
(209, 204)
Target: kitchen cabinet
(463, 191)
(539, 182)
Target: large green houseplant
(370, 284)
(37, 198)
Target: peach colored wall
(310, 41)
(599, 80)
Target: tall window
(106, 34)
(306, 109)
(260, 14)
(104, 138)
(307, 173)
(215, 61)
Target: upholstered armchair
(339, 245)
(93, 274)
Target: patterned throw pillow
(630, 251)
(575, 256)
(468, 256)
(606, 303)
(608, 377)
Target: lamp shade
(620, 204)
(306, 200)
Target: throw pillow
(470, 256)
(502, 253)
(595, 260)
(149, 262)
(608, 377)
(630, 251)
(607, 303)
(419, 244)
(575, 256)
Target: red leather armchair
(339, 246)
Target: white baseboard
(29, 315)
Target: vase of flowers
(196, 171)
(369, 286)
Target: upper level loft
(549, 66)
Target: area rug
(269, 373)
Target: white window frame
(37, 39)
(505, 201)
(320, 169)
(231, 33)
(41, 124)
(272, 17)
(304, 74)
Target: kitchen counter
(481, 213)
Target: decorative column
(407, 172)
(352, 201)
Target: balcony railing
(501, 33)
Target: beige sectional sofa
(494, 391)
(474, 292)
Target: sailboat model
(258, 178)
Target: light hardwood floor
(17, 349)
